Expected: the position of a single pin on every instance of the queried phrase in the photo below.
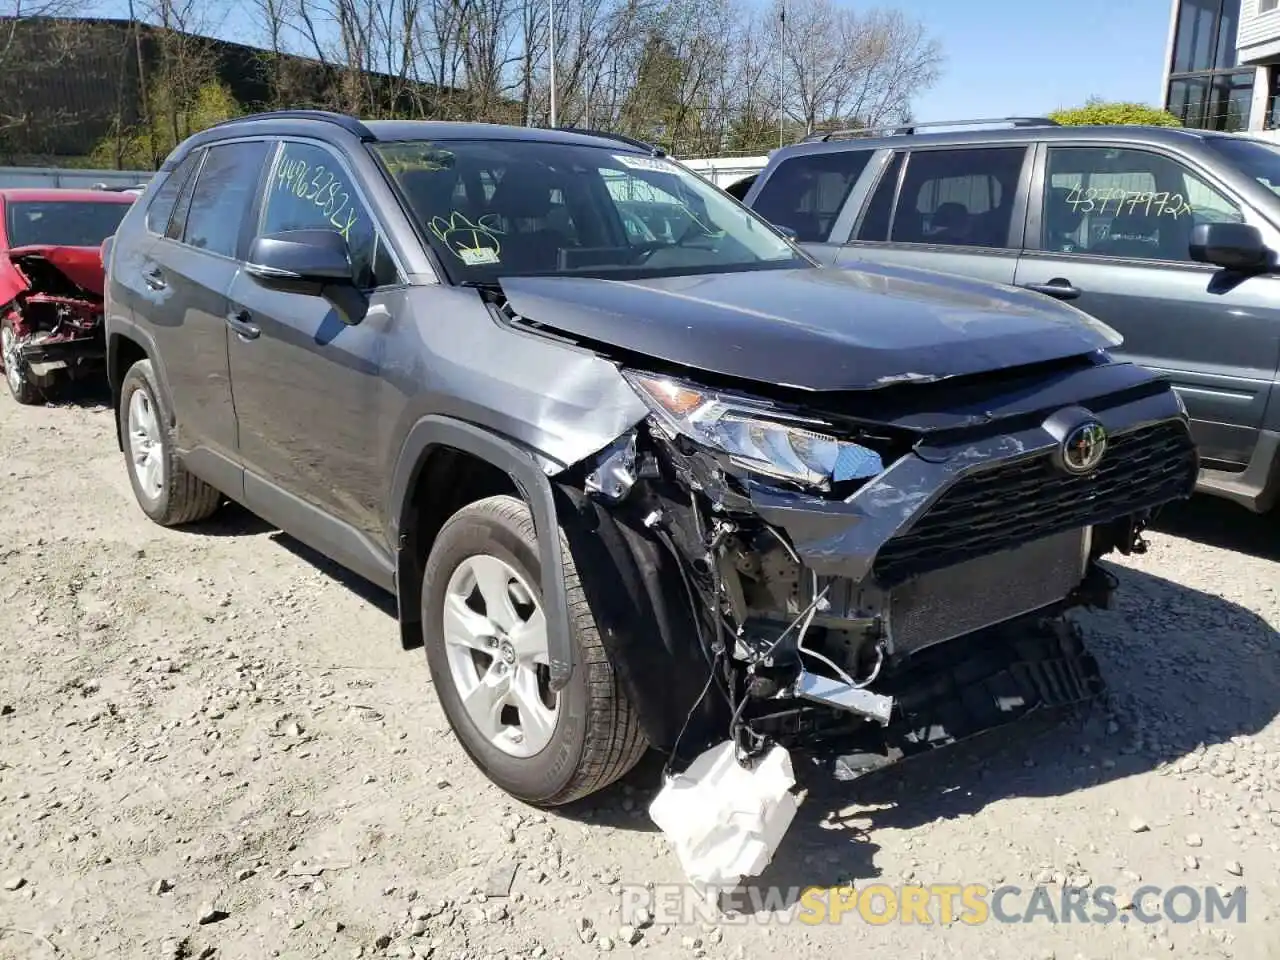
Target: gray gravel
(211, 744)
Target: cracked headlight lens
(755, 437)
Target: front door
(307, 369)
(1111, 228)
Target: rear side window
(958, 197)
(806, 192)
(162, 204)
(223, 195)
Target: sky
(1009, 57)
(1027, 57)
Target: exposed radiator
(948, 603)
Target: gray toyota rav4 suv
(1104, 217)
(638, 470)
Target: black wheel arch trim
(120, 329)
(522, 466)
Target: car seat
(522, 202)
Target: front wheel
(486, 642)
(23, 384)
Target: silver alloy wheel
(495, 637)
(146, 445)
(9, 352)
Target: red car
(51, 279)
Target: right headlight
(753, 436)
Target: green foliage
(174, 117)
(1099, 112)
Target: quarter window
(223, 194)
(1119, 202)
(807, 192)
(958, 197)
(310, 190)
(162, 204)
(875, 222)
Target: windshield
(1255, 158)
(501, 208)
(63, 223)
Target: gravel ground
(212, 745)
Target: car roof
(53, 194)
(392, 130)
(1127, 133)
(335, 125)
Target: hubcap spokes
(9, 352)
(496, 640)
(146, 447)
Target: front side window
(223, 195)
(310, 190)
(62, 223)
(958, 197)
(807, 192)
(1120, 202)
(496, 208)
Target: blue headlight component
(854, 462)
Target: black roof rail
(620, 137)
(349, 123)
(910, 128)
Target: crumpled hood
(816, 329)
(81, 265)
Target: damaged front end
(51, 308)
(859, 580)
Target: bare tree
(844, 66)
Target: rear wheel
(23, 384)
(487, 648)
(167, 493)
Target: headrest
(949, 215)
(524, 193)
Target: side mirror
(302, 261)
(1232, 246)
(789, 232)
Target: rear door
(186, 275)
(958, 209)
(1109, 231)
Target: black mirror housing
(1232, 246)
(300, 260)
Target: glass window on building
(1207, 89)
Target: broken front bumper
(959, 537)
(44, 354)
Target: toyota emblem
(1083, 448)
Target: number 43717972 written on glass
(1094, 200)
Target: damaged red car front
(51, 281)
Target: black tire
(597, 737)
(30, 389)
(183, 498)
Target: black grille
(1016, 502)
